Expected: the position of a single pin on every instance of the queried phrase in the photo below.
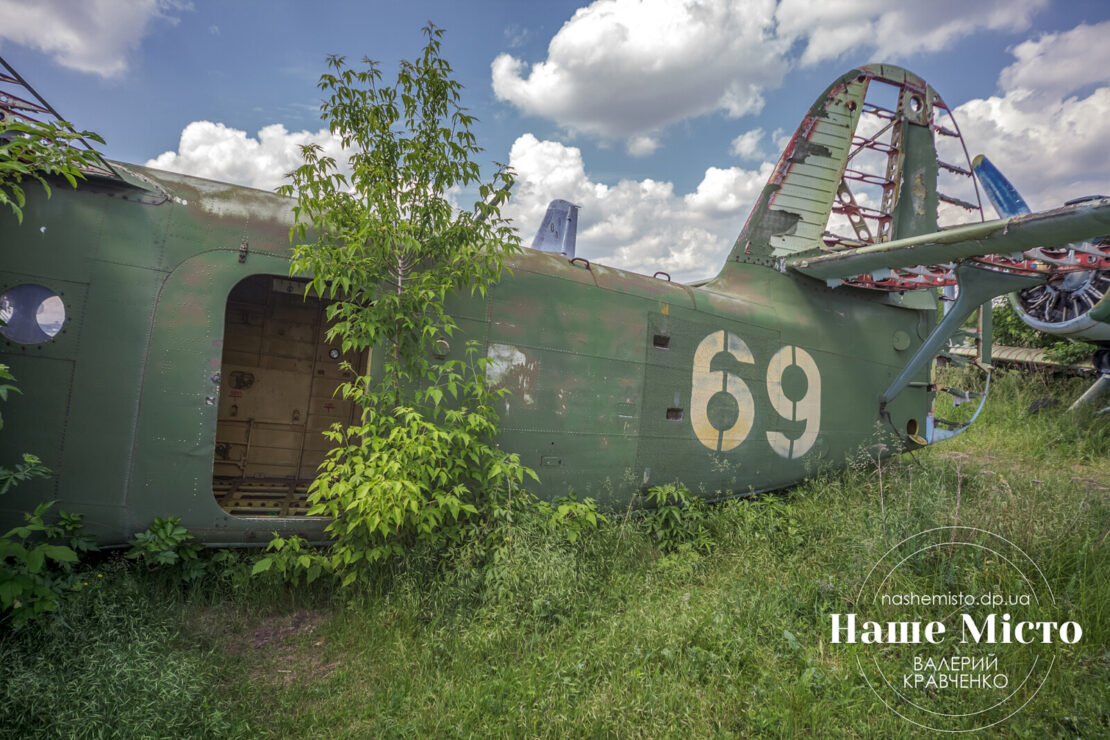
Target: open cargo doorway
(277, 395)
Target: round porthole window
(31, 313)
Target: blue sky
(660, 118)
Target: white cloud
(1060, 63)
(626, 68)
(93, 36)
(894, 29)
(216, 151)
(748, 145)
(641, 225)
(727, 192)
(1049, 142)
(1050, 150)
(637, 225)
(642, 146)
(780, 137)
(1046, 129)
(623, 69)
(515, 36)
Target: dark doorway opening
(277, 396)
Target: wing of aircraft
(1013, 235)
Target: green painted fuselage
(617, 381)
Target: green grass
(606, 637)
(111, 665)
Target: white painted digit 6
(707, 383)
(807, 409)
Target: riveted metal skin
(120, 402)
(185, 380)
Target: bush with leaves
(37, 561)
(676, 520)
(389, 248)
(290, 558)
(167, 545)
(570, 517)
(37, 557)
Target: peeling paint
(231, 204)
(919, 193)
(224, 200)
(766, 223)
(779, 222)
(804, 149)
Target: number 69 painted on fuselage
(707, 383)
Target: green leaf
(60, 554)
(35, 559)
(9, 592)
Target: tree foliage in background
(388, 249)
(34, 151)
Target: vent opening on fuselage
(278, 376)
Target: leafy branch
(31, 151)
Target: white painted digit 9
(707, 383)
(807, 408)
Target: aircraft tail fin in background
(999, 191)
(559, 229)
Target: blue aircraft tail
(559, 229)
(1000, 192)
